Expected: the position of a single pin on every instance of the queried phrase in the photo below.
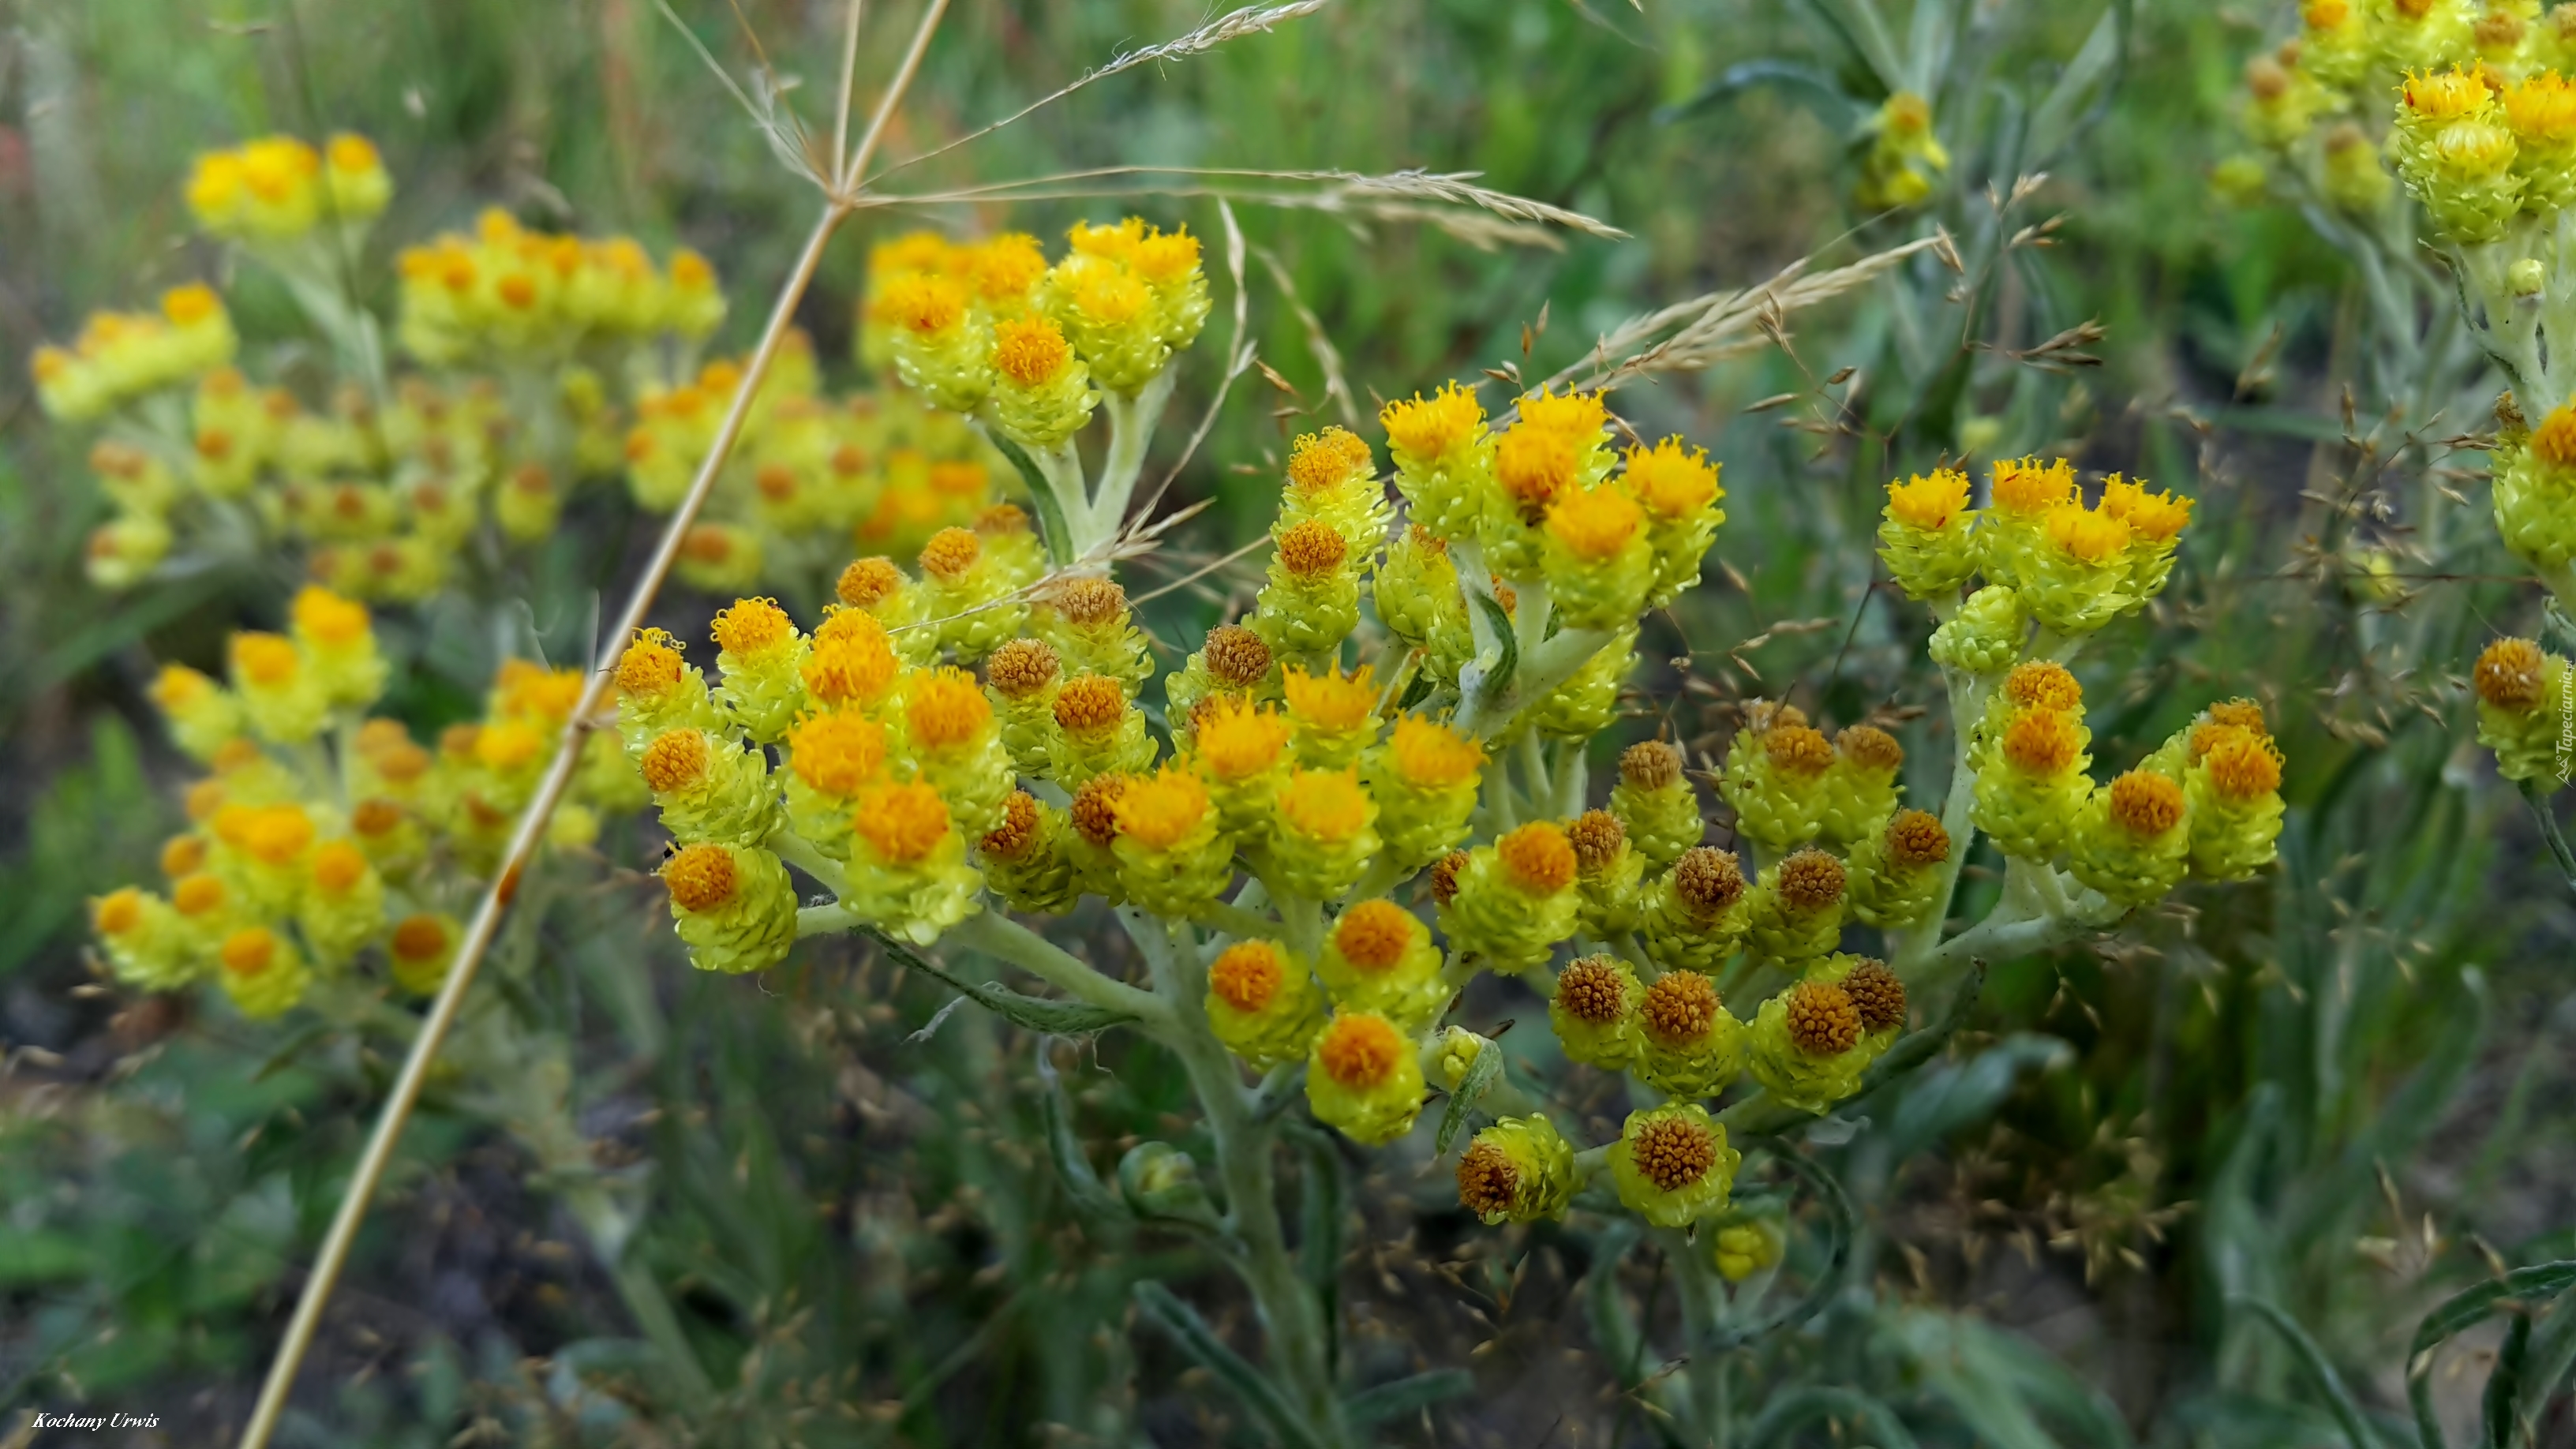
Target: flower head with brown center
(1811, 880)
(677, 760)
(1537, 858)
(1018, 830)
(1487, 1181)
(869, 582)
(1312, 549)
(1374, 935)
(2145, 803)
(701, 877)
(1673, 1152)
(1798, 749)
(1089, 602)
(1707, 879)
(1870, 748)
(1877, 995)
(1444, 876)
(1822, 1019)
(2509, 675)
(1090, 706)
(1597, 837)
(1593, 989)
(1022, 667)
(1916, 839)
(1650, 765)
(1247, 975)
(1680, 1009)
(951, 553)
(1236, 656)
(1095, 807)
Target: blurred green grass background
(2333, 1090)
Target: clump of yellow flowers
(322, 841)
(538, 361)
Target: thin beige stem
(505, 882)
(846, 182)
(849, 84)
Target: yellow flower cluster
(320, 836)
(120, 356)
(2044, 554)
(520, 293)
(278, 190)
(1905, 159)
(811, 478)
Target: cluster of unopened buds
(321, 838)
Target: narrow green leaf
(1324, 1206)
(1792, 1409)
(1481, 1076)
(2356, 1427)
(1839, 1228)
(2553, 1357)
(1051, 520)
(1498, 680)
(1201, 1346)
(1082, 1185)
(2522, 1286)
(2506, 1381)
(2088, 78)
(1614, 1328)
(1037, 1013)
(1405, 1396)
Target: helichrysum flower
(1986, 635)
(420, 949)
(761, 659)
(1654, 800)
(1099, 731)
(1424, 780)
(1595, 556)
(951, 738)
(1364, 1079)
(1332, 479)
(1795, 911)
(1895, 875)
(966, 587)
(262, 972)
(1520, 1170)
(830, 759)
(1928, 535)
(1242, 752)
(1515, 899)
(1416, 591)
(1089, 623)
(2334, 42)
(280, 698)
(1172, 859)
(2406, 36)
(1776, 777)
(1695, 913)
(1331, 716)
(1678, 488)
(1444, 458)
(2535, 493)
(342, 905)
(2456, 154)
(2131, 841)
(2155, 522)
(1588, 701)
(851, 663)
(733, 904)
(1860, 786)
(1379, 957)
(657, 690)
(1262, 1004)
(1090, 845)
(2540, 111)
(1557, 446)
(144, 938)
(940, 349)
(1672, 1165)
(1692, 1045)
(2012, 530)
(1906, 159)
(338, 644)
(1607, 874)
(1312, 600)
(2523, 697)
(1806, 1046)
(876, 586)
(2233, 796)
(710, 788)
(720, 558)
(1876, 994)
(908, 874)
(1233, 660)
(1325, 834)
(1024, 858)
(1023, 677)
(1041, 392)
(202, 715)
(2077, 576)
(2031, 783)
(1594, 1012)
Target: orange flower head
(1090, 706)
(1030, 351)
(677, 760)
(1870, 748)
(944, 710)
(184, 855)
(1318, 462)
(2146, 803)
(2554, 441)
(2028, 488)
(1429, 755)
(1006, 266)
(836, 754)
(1673, 480)
(117, 912)
(1673, 1152)
(1247, 975)
(1312, 549)
(197, 895)
(1324, 805)
(2042, 742)
(869, 582)
(1823, 1020)
(1597, 838)
(2156, 517)
(2244, 767)
(250, 951)
(1798, 749)
(1330, 700)
(1538, 858)
(2042, 684)
(1811, 879)
(1916, 839)
(902, 823)
(1162, 810)
(1430, 428)
(327, 619)
(1594, 524)
(337, 867)
(265, 660)
(1236, 656)
(1374, 935)
(701, 878)
(422, 938)
(650, 668)
(2087, 534)
(1360, 1050)
(1680, 1009)
(278, 834)
(1238, 740)
(853, 662)
(1929, 503)
(1578, 416)
(1592, 990)
(753, 627)
(1533, 464)
(950, 553)
(1022, 667)
(923, 304)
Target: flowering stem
(1244, 1144)
(829, 919)
(1131, 428)
(1967, 706)
(2549, 831)
(1237, 922)
(803, 854)
(1699, 1333)
(999, 936)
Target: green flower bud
(1093, 631)
(1161, 1181)
(657, 691)
(966, 587)
(1586, 704)
(2233, 795)
(1041, 392)
(1364, 1079)
(1416, 587)
(940, 350)
(1986, 636)
(1332, 479)
(1312, 600)
(734, 906)
(1519, 1170)
(1262, 1004)
(282, 698)
(2535, 492)
(1741, 1249)
(1099, 731)
(1022, 678)
(1672, 1165)
(146, 943)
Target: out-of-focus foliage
(2334, 1093)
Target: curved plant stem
(2538, 800)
